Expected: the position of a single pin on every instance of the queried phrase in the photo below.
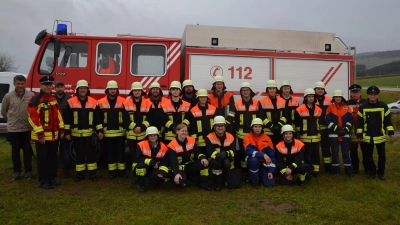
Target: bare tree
(7, 62)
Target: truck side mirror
(57, 47)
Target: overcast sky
(370, 25)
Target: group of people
(193, 135)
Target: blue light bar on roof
(62, 29)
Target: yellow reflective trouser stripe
(121, 166)
(204, 173)
(105, 118)
(308, 139)
(243, 164)
(302, 177)
(91, 118)
(134, 136)
(114, 133)
(163, 168)
(327, 160)
(199, 126)
(147, 161)
(133, 166)
(81, 133)
(141, 172)
(316, 168)
(75, 117)
(80, 167)
(92, 166)
(112, 166)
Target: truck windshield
(72, 55)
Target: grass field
(384, 81)
(385, 96)
(326, 200)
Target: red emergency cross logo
(328, 76)
(216, 71)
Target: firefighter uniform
(307, 123)
(291, 104)
(221, 151)
(340, 122)
(324, 102)
(290, 155)
(46, 120)
(111, 115)
(156, 115)
(255, 148)
(245, 112)
(177, 113)
(82, 121)
(188, 159)
(272, 114)
(354, 105)
(152, 160)
(135, 115)
(224, 102)
(374, 119)
(201, 121)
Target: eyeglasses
(219, 126)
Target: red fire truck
(238, 54)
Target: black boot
(122, 174)
(79, 176)
(300, 182)
(113, 174)
(328, 167)
(141, 181)
(372, 174)
(245, 175)
(217, 182)
(204, 183)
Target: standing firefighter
(290, 158)
(272, 112)
(111, 114)
(136, 109)
(291, 103)
(189, 93)
(153, 159)
(47, 123)
(260, 155)
(246, 109)
(189, 161)
(324, 102)
(220, 148)
(222, 100)
(354, 103)
(201, 119)
(14, 111)
(307, 122)
(340, 122)
(156, 115)
(82, 120)
(374, 119)
(177, 111)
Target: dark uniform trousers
(85, 154)
(151, 173)
(115, 152)
(229, 174)
(21, 140)
(191, 170)
(311, 155)
(355, 162)
(326, 149)
(301, 169)
(369, 160)
(46, 155)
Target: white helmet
(337, 93)
(218, 79)
(175, 84)
(155, 85)
(285, 83)
(112, 84)
(202, 93)
(151, 130)
(271, 83)
(82, 83)
(136, 86)
(309, 91)
(219, 120)
(187, 83)
(286, 128)
(245, 85)
(256, 121)
(319, 84)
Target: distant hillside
(373, 59)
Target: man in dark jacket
(64, 143)
(372, 130)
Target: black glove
(276, 129)
(341, 132)
(221, 156)
(227, 164)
